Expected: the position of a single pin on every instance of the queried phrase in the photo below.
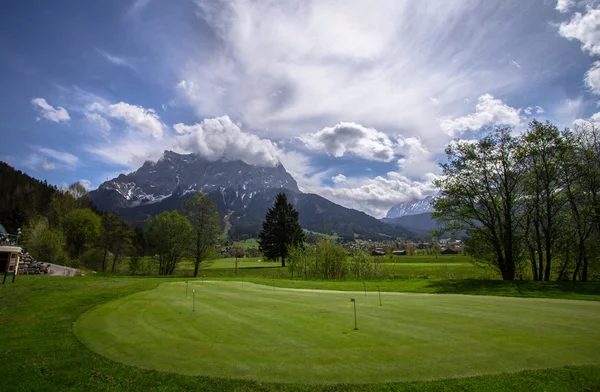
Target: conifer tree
(281, 230)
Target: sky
(356, 99)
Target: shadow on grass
(579, 290)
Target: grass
(242, 331)
(40, 352)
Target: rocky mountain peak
(189, 173)
(411, 208)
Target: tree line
(70, 231)
(528, 203)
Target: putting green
(258, 332)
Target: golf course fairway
(247, 331)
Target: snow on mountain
(188, 173)
(411, 208)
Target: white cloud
(529, 110)
(131, 150)
(488, 111)
(48, 165)
(568, 111)
(339, 178)
(62, 157)
(100, 121)
(592, 78)
(417, 159)
(116, 60)
(585, 28)
(87, 184)
(220, 138)
(377, 195)
(49, 112)
(48, 159)
(346, 137)
(564, 5)
(138, 118)
(292, 66)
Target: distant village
(447, 246)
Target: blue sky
(357, 99)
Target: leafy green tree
(541, 149)
(81, 228)
(481, 194)
(202, 212)
(331, 260)
(43, 242)
(280, 231)
(115, 238)
(169, 235)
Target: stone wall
(29, 266)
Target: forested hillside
(23, 197)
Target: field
(404, 267)
(242, 330)
(40, 351)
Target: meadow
(41, 351)
(394, 267)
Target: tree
(280, 231)
(202, 212)
(542, 184)
(480, 193)
(169, 235)
(116, 238)
(82, 228)
(43, 242)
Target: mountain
(243, 193)
(411, 208)
(177, 174)
(419, 224)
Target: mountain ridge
(242, 191)
(414, 207)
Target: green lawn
(40, 352)
(249, 331)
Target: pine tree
(281, 230)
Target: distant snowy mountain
(178, 174)
(411, 208)
(243, 193)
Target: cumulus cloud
(376, 196)
(488, 111)
(417, 159)
(592, 78)
(137, 117)
(347, 137)
(219, 137)
(339, 178)
(49, 112)
(584, 28)
(564, 5)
